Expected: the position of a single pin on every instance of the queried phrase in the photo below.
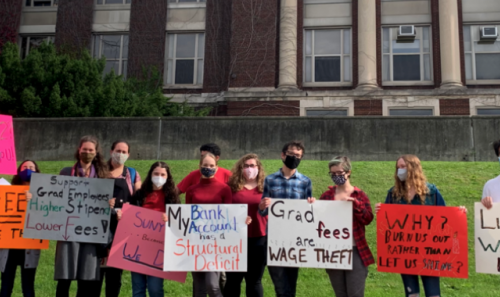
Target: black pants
(85, 288)
(113, 281)
(16, 258)
(257, 258)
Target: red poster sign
(422, 240)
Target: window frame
(346, 109)
(121, 60)
(342, 55)
(196, 84)
(53, 3)
(488, 108)
(389, 108)
(124, 2)
(50, 37)
(421, 53)
(472, 52)
(190, 2)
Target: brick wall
(10, 17)
(74, 25)
(254, 27)
(147, 36)
(217, 46)
(454, 107)
(263, 108)
(368, 107)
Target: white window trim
(410, 103)
(21, 37)
(328, 109)
(474, 81)
(121, 59)
(483, 103)
(330, 103)
(341, 83)
(411, 108)
(113, 5)
(422, 82)
(40, 7)
(487, 107)
(197, 84)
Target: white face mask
(158, 181)
(402, 174)
(251, 173)
(119, 158)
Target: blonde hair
(206, 155)
(415, 180)
(341, 161)
(237, 180)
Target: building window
(488, 111)
(29, 43)
(326, 112)
(104, 2)
(185, 59)
(327, 55)
(40, 3)
(186, 1)
(411, 112)
(482, 58)
(115, 49)
(406, 61)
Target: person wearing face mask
(127, 181)
(157, 190)
(75, 260)
(491, 190)
(208, 191)
(247, 185)
(26, 259)
(287, 183)
(411, 187)
(350, 283)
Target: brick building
(289, 57)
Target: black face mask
(291, 162)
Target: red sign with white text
(8, 164)
(422, 240)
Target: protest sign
(8, 163)
(422, 240)
(206, 237)
(68, 208)
(317, 235)
(139, 242)
(4, 182)
(12, 213)
(487, 238)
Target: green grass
(460, 184)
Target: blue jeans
(430, 283)
(141, 281)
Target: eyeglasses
(338, 173)
(250, 166)
(293, 155)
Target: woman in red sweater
(247, 184)
(208, 191)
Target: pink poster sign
(139, 242)
(8, 163)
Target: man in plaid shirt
(287, 183)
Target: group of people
(246, 183)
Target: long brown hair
(415, 180)
(237, 180)
(171, 196)
(98, 162)
(16, 180)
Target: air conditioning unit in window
(407, 33)
(489, 33)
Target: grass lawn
(460, 184)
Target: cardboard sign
(317, 235)
(487, 238)
(8, 163)
(138, 244)
(422, 240)
(206, 237)
(68, 208)
(12, 213)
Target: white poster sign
(487, 238)
(206, 237)
(317, 235)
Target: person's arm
(265, 194)
(227, 195)
(309, 189)
(189, 197)
(362, 209)
(138, 181)
(184, 185)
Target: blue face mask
(208, 172)
(25, 175)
